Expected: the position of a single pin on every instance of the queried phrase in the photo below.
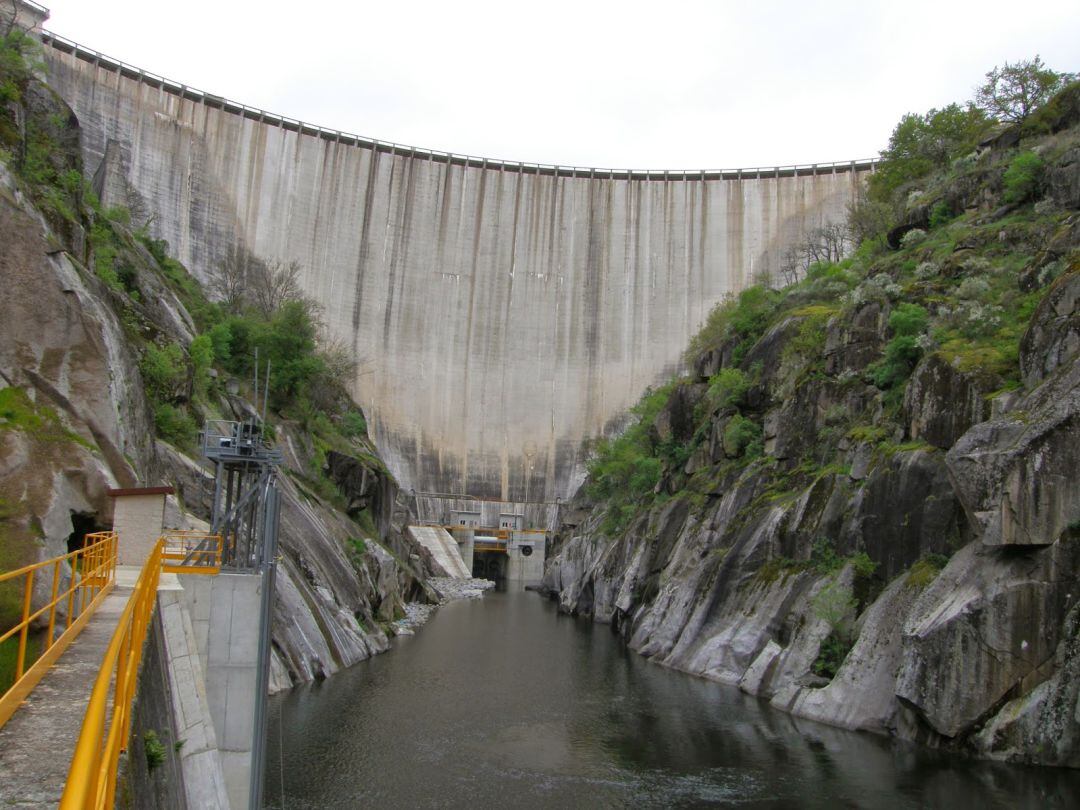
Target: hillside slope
(862, 504)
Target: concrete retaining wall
(499, 313)
(224, 614)
(140, 787)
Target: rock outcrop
(895, 557)
(75, 420)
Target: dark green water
(504, 703)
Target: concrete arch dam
(500, 313)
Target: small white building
(138, 517)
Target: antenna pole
(256, 392)
(266, 392)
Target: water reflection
(504, 703)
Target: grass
(925, 570)
(9, 654)
(19, 412)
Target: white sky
(676, 84)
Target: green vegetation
(19, 412)
(921, 144)
(945, 240)
(925, 571)
(1023, 177)
(358, 545)
(1013, 92)
(154, 750)
(835, 605)
(9, 654)
(742, 318)
(625, 470)
(727, 388)
(258, 308)
(902, 352)
(742, 437)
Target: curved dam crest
(500, 314)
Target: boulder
(676, 421)
(850, 345)
(983, 632)
(1016, 475)
(941, 402)
(1053, 337)
(904, 510)
(862, 695)
(366, 485)
(1043, 726)
(1063, 179)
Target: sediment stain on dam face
(500, 314)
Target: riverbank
(449, 590)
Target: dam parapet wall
(500, 313)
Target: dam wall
(499, 313)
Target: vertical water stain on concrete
(494, 307)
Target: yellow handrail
(92, 576)
(188, 552)
(91, 781)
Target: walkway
(37, 742)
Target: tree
(1014, 91)
(272, 285)
(242, 280)
(828, 244)
(232, 277)
(921, 143)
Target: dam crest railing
(471, 161)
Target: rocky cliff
(862, 504)
(88, 301)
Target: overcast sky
(608, 84)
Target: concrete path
(37, 742)
(443, 548)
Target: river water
(504, 703)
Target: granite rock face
(75, 420)
(944, 555)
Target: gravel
(448, 589)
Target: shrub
(824, 558)
(863, 565)
(155, 751)
(1023, 177)
(353, 425)
(174, 425)
(902, 352)
(925, 571)
(940, 214)
(901, 355)
(727, 388)
(835, 605)
(164, 370)
(742, 436)
(201, 352)
(908, 319)
(912, 238)
(831, 655)
(745, 317)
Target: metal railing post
(28, 593)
